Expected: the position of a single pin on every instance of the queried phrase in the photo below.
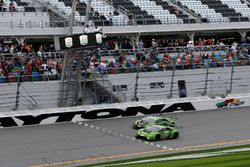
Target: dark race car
(150, 120)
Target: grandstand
(212, 26)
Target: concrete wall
(45, 94)
(117, 110)
(126, 30)
(218, 82)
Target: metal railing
(137, 20)
(29, 78)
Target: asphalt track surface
(104, 140)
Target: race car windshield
(152, 128)
(148, 120)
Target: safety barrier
(108, 111)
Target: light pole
(87, 15)
(70, 32)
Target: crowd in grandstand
(11, 7)
(35, 65)
(28, 61)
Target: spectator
(98, 29)
(234, 47)
(140, 44)
(116, 13)
(190, 45)
(12, 6)
(102, 17)
(1, 5)
(130, 19)
(221, 44)
(110, 17)
(154, 44)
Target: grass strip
(229, 160)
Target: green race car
(158, 120)
(157, 132)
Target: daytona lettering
(95, 114)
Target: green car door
(165, 133)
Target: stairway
(100, 91)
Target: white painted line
(140, 141)
(79, 123)
(165, 148)
(180, 157)
(152, 144)
(158, 145)
(97, 128)
(91, 126)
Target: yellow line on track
(112, 157)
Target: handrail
(114, 53)
(101, 72)
(137, 20)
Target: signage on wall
(80, 40)
(119, 88)
(182, 88)
(24, 120)
(155, 85)
(230, 103)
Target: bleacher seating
(19, 6)
(147, 11)
(140, 14)
(166, 6)
(203, 10)
(225, 10)
(157, 11)
(103, 8)
(238, 6)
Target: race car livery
(157, 132)
(150, 120)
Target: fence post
(231, 78)
(172, 80)
(17, 93)
(95, 85)
(136, 80)
(206, 80)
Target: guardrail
(113, 111)
(29, 78)
(116, 53)
(137, 20)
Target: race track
(103, 140)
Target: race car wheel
(172, 124)
(157, 137)
(176, 134)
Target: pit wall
(118, 110)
